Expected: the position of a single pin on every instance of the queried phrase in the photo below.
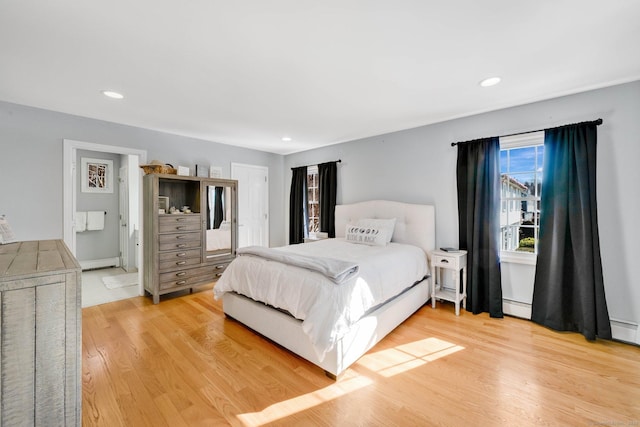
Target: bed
(375, 314)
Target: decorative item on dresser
(192, 242)
(41, 335)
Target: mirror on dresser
(220, 210)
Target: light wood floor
(181, 363)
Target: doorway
(128, 215)
(253, 204)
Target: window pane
(313, 206)
(521, 177)
(540, 157)
(522, 159)
(503, 161)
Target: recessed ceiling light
(286, 138)
(112, 94)
(491, 81)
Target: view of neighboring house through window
(521, 181)
(313, 199)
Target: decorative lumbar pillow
(366, 235)
(387, 225)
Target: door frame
(69, 189)
(123, 216)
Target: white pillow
(366, 235)
(383, 224)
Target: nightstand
(455, 261)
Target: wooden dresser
(41, 326)
(188, 247)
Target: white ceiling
(247, 73)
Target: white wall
(418, 166)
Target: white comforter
(327, 309)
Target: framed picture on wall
(96, 175)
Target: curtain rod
(597, 122)
(335, 161)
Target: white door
(253, 204)
(124, 216)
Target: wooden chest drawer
(171, 242)
(177, 263)
(175, 219)
(179, 255)
(174, 225)
(189, 277)
(218, 269)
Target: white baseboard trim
(92, 264)
(516, 309)
(623, 330)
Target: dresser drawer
(444, 261)
(174, 225)
(177, 263)
(179, 255)
(169, 242)
(175, 219)
(219, 268)
(192, 276)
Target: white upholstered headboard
(415, 224)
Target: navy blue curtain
(568, 293)
(298, 216)
(328, 177)
(478, 181)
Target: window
(313, 199)
(521, 159)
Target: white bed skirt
(367, 332)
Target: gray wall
(31, 164)
(418, 166)
(99, 244)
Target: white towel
(81, 222)
(95, 220)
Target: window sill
(518, 258)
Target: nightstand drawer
(444, 261)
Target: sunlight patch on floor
(298, 404)
(387, 363)
(405, 357)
